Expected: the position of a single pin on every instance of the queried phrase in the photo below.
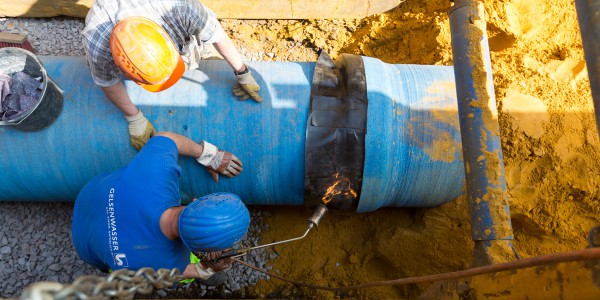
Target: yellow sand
(549, 141)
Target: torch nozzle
(317, 215)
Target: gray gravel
(35, 245)
(35, 238)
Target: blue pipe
(408, 129)
(482, 153)
(412, 145)
(588, 14)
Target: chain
(120, 284)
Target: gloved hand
(218, 265)
(213, 255)
(218, 161)
(246, 87)
(140, 130)
(206, 269)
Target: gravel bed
(35, 245)
(35, 237)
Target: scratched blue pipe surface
(412, 147)
(90, 136)
(411, 141)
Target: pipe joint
(335, 133)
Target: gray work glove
(246, 87)
(218, 161)
(140, 130)
(213, 255)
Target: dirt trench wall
(549, 142)
(248, 9)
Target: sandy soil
(549, 141)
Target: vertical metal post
(588, 14)
(491, 228)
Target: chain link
(120, 284)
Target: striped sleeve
(96, 43)
(208, 30)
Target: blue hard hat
(214, 222)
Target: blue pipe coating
(412, 145)
(478, 115)
(412, 137)
(90, 136)
(588, 14)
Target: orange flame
(339, 188)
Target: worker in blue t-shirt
(132, 218)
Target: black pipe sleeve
(335, 133)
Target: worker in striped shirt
(153, 42)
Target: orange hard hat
(143, 50)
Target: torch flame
(339, 187)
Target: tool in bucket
(29, 100)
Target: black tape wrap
(335, 133)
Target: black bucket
(50, 104)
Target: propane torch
(313, 222)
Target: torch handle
(230, 253)
(313, 222)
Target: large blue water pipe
(491, 228)
(412, 141)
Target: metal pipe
(244, 251)
(491, 228)
(588, 14)
(412, 134)
(313, 222)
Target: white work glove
(140, 130)
(204, 273)
(206, 269)
(217, 161)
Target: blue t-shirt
(116, 217)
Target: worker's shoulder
(105, 14)
(115, 10)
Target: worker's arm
(208, 30)
(247, 86)
(119, 97)
(140, 129)
(215, 160)
(226, 48)
(185, 146)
